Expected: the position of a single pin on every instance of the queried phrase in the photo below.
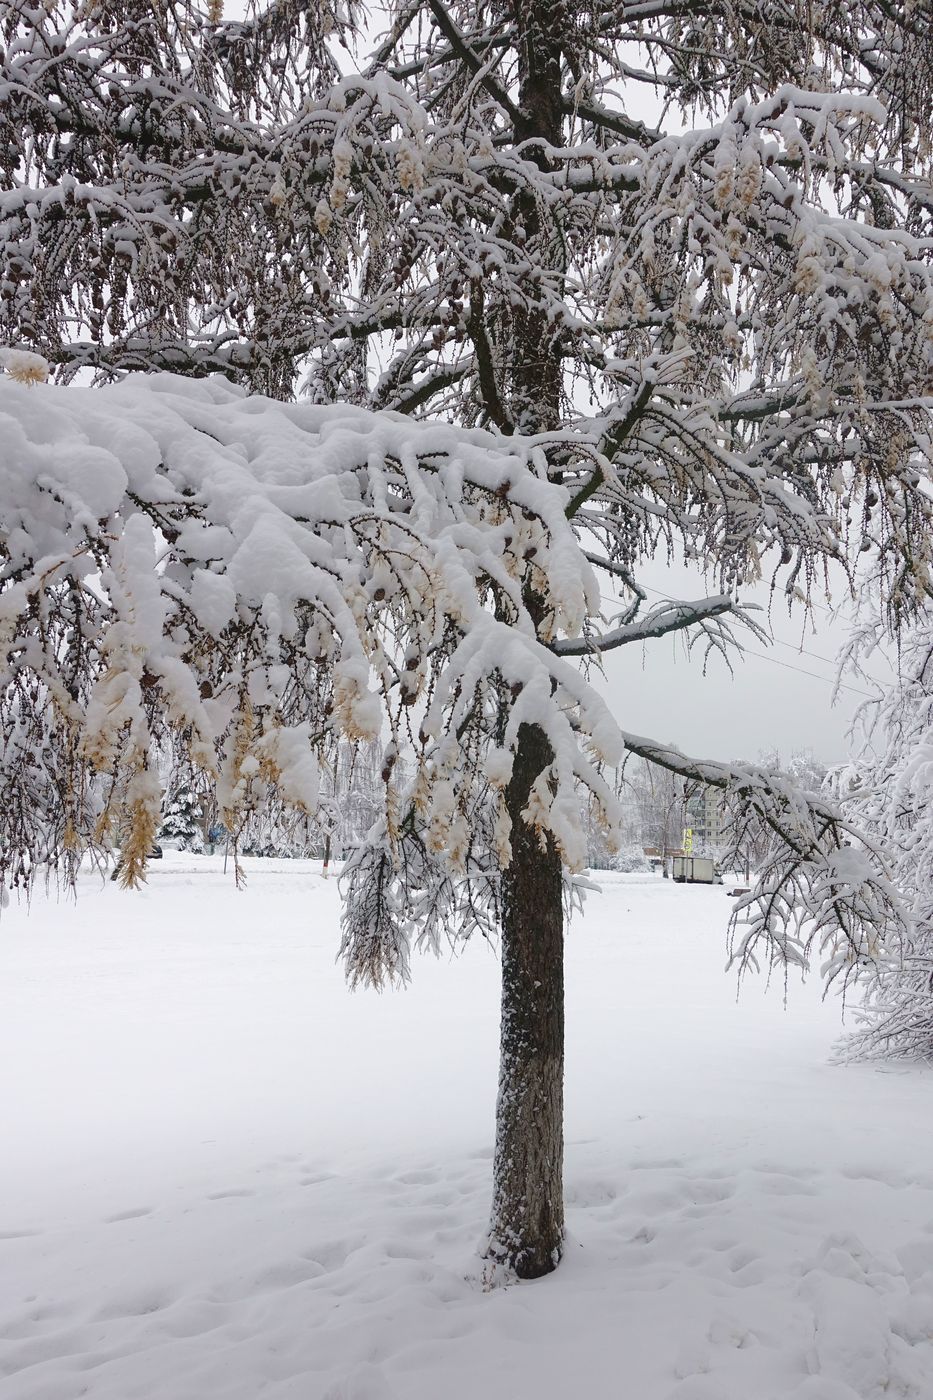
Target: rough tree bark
(527, 1227)
(528, 1208)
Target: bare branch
(477, 67)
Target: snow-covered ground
(224, 1177)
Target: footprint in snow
(330, 1255)
(41, 1317)
(363, 1383)
(134, 1305)
(781, 1183)
(193, 1317)
(289, 1273)
(315, 1179)
(741, 1258)
(820, 1388)
(726, 1331)
(136, 1213)
(692, 1359)
(697, 1388)
(798, 1173)
(884, 1176)
(912, 1319)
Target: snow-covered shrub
(631, 861)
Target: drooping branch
(666, 617)
(285, 607)
(822, 884)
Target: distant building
(705, 817)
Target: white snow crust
(224, 1176)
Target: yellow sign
(688, 840)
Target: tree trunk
(535, 378)
(527, 1227)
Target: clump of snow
(24, 365)
(499, 767)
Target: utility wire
(762, 656)
(803, 651)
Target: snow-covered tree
(181, 819)
(359, 792)
(160, 170)
(622, 849)
(888, 788)
(802, 766)
(707, 337)
(660, 796)
(276, 829)
(352, 800)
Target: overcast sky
(657, 690)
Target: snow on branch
(887, 788)
(823, 885)
(183, 563)
(671, 616)
(790, 231)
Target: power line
(818, 656)
(747, 651)
(762, 656)
(803, 651)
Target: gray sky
(657, 690)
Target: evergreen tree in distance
(181, 820)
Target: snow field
(222, 1176)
